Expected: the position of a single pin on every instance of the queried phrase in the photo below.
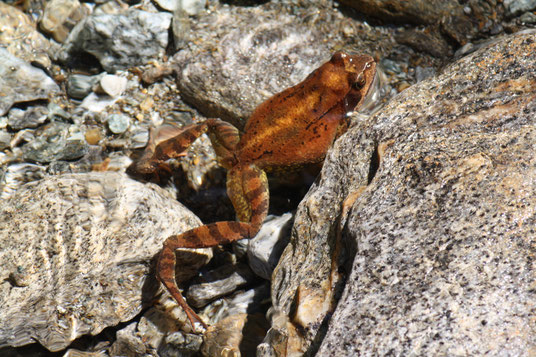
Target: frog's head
(360, 71)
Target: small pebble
(118, 123)
(79, 86)
(93, 136)
(113, 85)
(146, 104)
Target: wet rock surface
(82, 84)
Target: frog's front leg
(247, 187)
(171, 142)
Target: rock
(528, 18)
(448, 15)
(250, 301)
(79, 86)
(17, 175)
(119, 41)
(21, 82)
(219, 282)
(5, 139)
(71, 352)
(436, 241)
(266, 247)
(96, 103)
(55, 142)
(77, 252)
(140, 137)
(287, 42)
(118, 123)
(156, 334)
(112, 85)
(516, 7)
(20, 38)
(190, 7)
(30, 118)
(424, 41)
(61, 16)
(417, 12)
(236, 335)
(56, 112)
(181, 344)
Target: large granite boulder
(437, 239)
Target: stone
(5, 139)
(528, 18)
(434, 196)
(30, 118)
(119, 41)
(60, 16)
(20, 37)
(21, 82)
(181, 344)
(77, 252)
(235, 335)
(516, 7)
(95, 103)
(17, 175)
(118, 123)
(218, 282)
(190, 7)
(266, 247)
(250, 301)
(112, 85)
(55, 142)
(417, 12)
(79, 85)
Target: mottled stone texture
(21, 82)
(76, 255)
(440, 245)
(228, 69)
(119, 41)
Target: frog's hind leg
(247, 186)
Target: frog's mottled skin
(293, 128)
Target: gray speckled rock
(21, 82)
(274, 47)
(76, 255)
(55, 142)
(30, 118)
(440, 244)
(119, 41)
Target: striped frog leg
(247, 187)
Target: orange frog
(291, 129)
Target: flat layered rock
(77, 254)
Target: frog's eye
(359, 81)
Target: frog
(289, 130)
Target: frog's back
(298, 125)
